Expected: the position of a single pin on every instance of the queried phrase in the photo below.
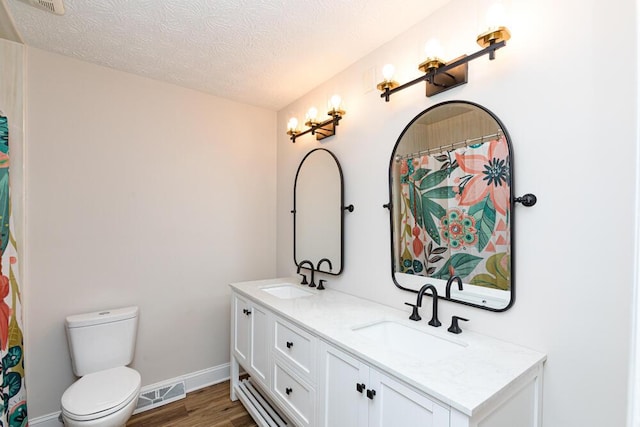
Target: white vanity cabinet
(309, 362)
(354, 394)
(250, 333)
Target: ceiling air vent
(53, 6)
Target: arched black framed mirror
(451, 205)
(318, 211)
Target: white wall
(140, 192)
(572, 119)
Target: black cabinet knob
(360, 387)
(289, 344)
(245, 311)
(288, 390)
(371, 393)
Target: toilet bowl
(101, 345)
(101, 399)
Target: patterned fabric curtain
(14, 395)
(455, 210)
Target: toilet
(101, 345)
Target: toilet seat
(100, 394)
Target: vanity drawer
(296, 347)
(294, 393)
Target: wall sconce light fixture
(495, 31)
(323, 129)
(387, 74)
(440, 76)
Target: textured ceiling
(261, 52)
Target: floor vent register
(159, 396)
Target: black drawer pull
(288, 390)
(371, 393)
(360, 387)
(289, 344)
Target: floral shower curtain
(455, 212)
(13, 407)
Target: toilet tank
(102, 340)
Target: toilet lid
(102, 392)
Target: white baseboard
(50, 420)
(193, 381)
(206, 377)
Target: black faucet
(327, 260)
(321, 282)
(434, 293)
(304, 281)
(449, 282)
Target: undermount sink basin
(287, 291)
(405, 339)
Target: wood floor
(207, 407)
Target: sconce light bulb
(434, 50)
(312, 114)
(495, 26)
(292, 125)
(335, 102)
(388, 71)
(496, 16)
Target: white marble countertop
(466, 380)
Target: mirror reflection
(318, 212)
(451, 205)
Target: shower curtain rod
(449, 147)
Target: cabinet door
(342, 386)
(395, 404)
(259, 355)
(241, 329)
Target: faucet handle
(304, 279)
(455, 328)
(414, 314)
(321, 284)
